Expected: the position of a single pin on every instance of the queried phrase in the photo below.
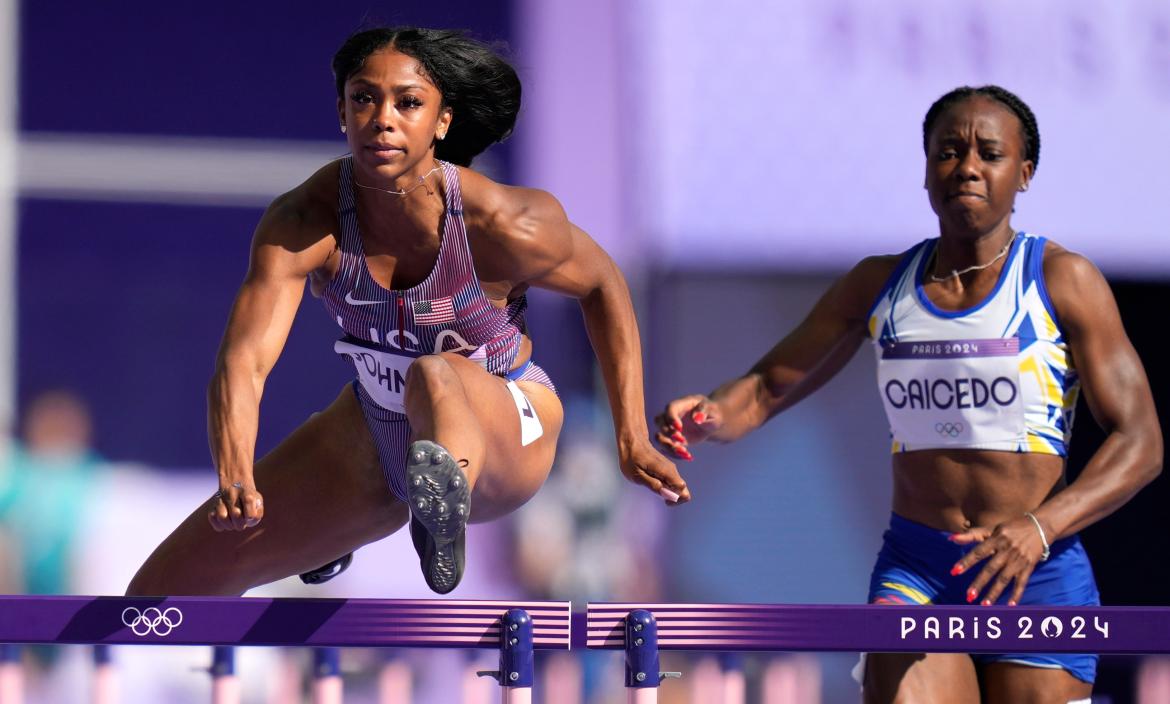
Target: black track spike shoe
(440, 504)
(328, 571)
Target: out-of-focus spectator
(11, 574)
(585, 537)
(43, 487)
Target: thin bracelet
(1043, 538)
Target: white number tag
(382, 374)
(954, 392)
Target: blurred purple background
(734, 157)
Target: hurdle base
(11, 682)
(516, 695)
(642, 695)
(226, 689)
(327, 690)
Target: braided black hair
(1031, 132)
(479, 86)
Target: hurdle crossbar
(883, 628)
(248, 621)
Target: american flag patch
(440, 310)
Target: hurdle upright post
(105, 681)
(734, 680)
(516, 671)
(225, 687)
(327, 683)
(641, 645)
(11, 674)
(395, 684)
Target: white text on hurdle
(992, 627)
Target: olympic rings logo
(152, 620)
(949, 429)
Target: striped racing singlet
(386, 329)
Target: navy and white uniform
(998, 376)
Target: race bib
(530, 427)
(381, 373)
(952, 393)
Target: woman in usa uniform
(423, 263)
(984, 336)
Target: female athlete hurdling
(423, 263)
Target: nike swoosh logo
(355, 302)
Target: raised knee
(430, 372)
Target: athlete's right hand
(690, 419)
(236, 506)
(642, 464)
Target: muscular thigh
(909, 678)
(324, 495)
(1013, 683)
(512, 473)
(910, 569)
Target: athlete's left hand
(1014, 549)
(644, 465)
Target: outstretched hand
(690, 419)
(644, 465)
(237, 506)
(1012, 550)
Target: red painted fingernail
(699, 416)
(678, 425)
(952, 537)
(987, 602)
(956, 570)
(971, 594)
(1012, 602)
(678, 437)
(687, 456)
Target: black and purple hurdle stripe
(644, 629)
(519, 628)
(280, 622)
(516, 629)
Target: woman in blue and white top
(984, 337)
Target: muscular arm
(542, 248)
(799, 364)
(1116, 390)
(592, 277)
(284, 251)
(1119, 397)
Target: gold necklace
(977, 267)
(422, 181)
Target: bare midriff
(953, 490)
